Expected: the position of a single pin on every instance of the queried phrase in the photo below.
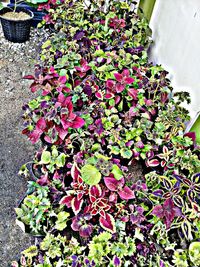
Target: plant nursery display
(116, 180)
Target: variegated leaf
(187, 230)
(178, 201)
(76, 205)
(108, 223)
(167, 184)
(152, 163)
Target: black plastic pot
(16, 31)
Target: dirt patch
(16, 60)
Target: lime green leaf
(90, 174)
(63, 72)
(96, 147)
(92, 160)
(46, 44)
(60, 161)
(118, 174)
(114, 149)
(54, 152)
(46, 157)
(31, 252)
(33, 104)
(62, 219)
(126, 153)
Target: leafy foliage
(99, 109)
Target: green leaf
(47, 43)
(96, 147)
(60, 161)
(33, 104)
(35, 2)
(90, 174)
(63, 72)
(118, 174)
(114, 149)
(126, 153)
(120, 106)
(62, 219)
(31, 252)
(46, 157)
(99, 53)
(92, 160)
(54, 152)
(139, 235)
(112, 102)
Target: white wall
(176, 35)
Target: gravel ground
(16, 60)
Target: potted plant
(16, 19)
(16, 23)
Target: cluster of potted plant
(100, 110)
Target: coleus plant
(53, 118)
(102, 26)
(104, 107)
(88, 194)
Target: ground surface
(15, 149)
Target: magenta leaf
(74, 172)
(65, 123)
(61, 98)
(152, 163)
(62, 133)
(95, 192)
(44, 180)
(133, 93)
(41, 124)
(99, 95)
(76, 205)
(109, 95)
(62, 79)
(66, 201)
(191, 135)
(108, 223)
(126, 193)
(167, 212)
(110, 84)
(78, 122)
(34, 136)
(128, 80)
(118, 77)
(158, 211)
(119, 87)
(112, 184)
(125, 73)
(29, 77)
